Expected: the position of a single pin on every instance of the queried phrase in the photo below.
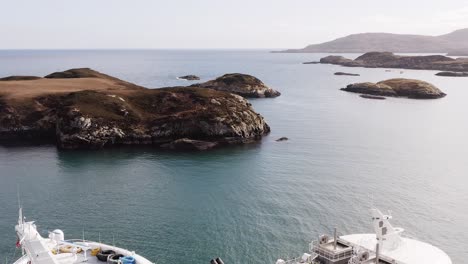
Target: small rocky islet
(85, 109)
(398, 87)
(390, 60)
(346, 74)
(190, 77)
(242, 84)
(452, 74)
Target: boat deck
(89, 259)
(409, 251)
(82, 257)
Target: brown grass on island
(82, 108)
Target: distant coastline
(452, 43)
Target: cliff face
(390, 60)
(241, 84)
(105, 111)
(90, 119)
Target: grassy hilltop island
(82, 108)
(399, 87)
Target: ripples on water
(256, 203)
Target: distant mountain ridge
(454, 43)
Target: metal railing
(346, 253)
(328, 254)
(23, 259)
(299, 260)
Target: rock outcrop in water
(241, 84)
(375, 97)
(452, 74)
(190, 77)
(82, 108)
(190, 144)
(346, 74)
(390, 60)
(397, 88)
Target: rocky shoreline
(409, 88)
(242, 84)
(390, 60)
(375, 97)
(85, 109)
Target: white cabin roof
(409, 251)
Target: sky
(220, 24)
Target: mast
(384, 231)
(20, 208)
(20, 216)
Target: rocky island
(452, 74)
(190, 77)
(346, 74)
(408, 88)
(390, 60)
(85, 109)
(242, 84)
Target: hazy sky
(215, 23)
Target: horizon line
(22, 49)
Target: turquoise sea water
(260, 202)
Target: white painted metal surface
(393, 247)
(40, 250)
(409, 251)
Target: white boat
(386, 246)
(56, 250)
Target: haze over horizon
(205, 24)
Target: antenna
(334, 238)
(20, 208)
(18, 195)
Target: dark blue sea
(259, 202)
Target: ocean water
(259, 202)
